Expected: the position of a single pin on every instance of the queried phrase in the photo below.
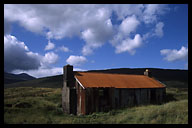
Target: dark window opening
(104, 99)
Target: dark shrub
(23, 105)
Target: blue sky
(41, 39)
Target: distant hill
(170, 77)
(13, 78)
(52, 82)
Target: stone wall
(65, 99)
(69, 97)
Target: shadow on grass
(170, 97)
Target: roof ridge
(108, 73)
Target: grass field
(35, 105)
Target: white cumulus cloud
(156, 32)
(76, 60)
(50, 58)
(122, 40)
(96, 36)
(159, 29)
(90, 37)
(152, 11)
(129, 45)
(174, 54)
(50, 46)
(91, 22)
(63, 48)
(129, 25)
(124, 10)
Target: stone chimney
(69, 97)
(147, 73)
(68, 75)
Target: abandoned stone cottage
(87, 92)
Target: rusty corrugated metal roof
(90, 79)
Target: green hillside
(13, 78)
(53, 82)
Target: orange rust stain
(90, 79)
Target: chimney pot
(147, 73)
